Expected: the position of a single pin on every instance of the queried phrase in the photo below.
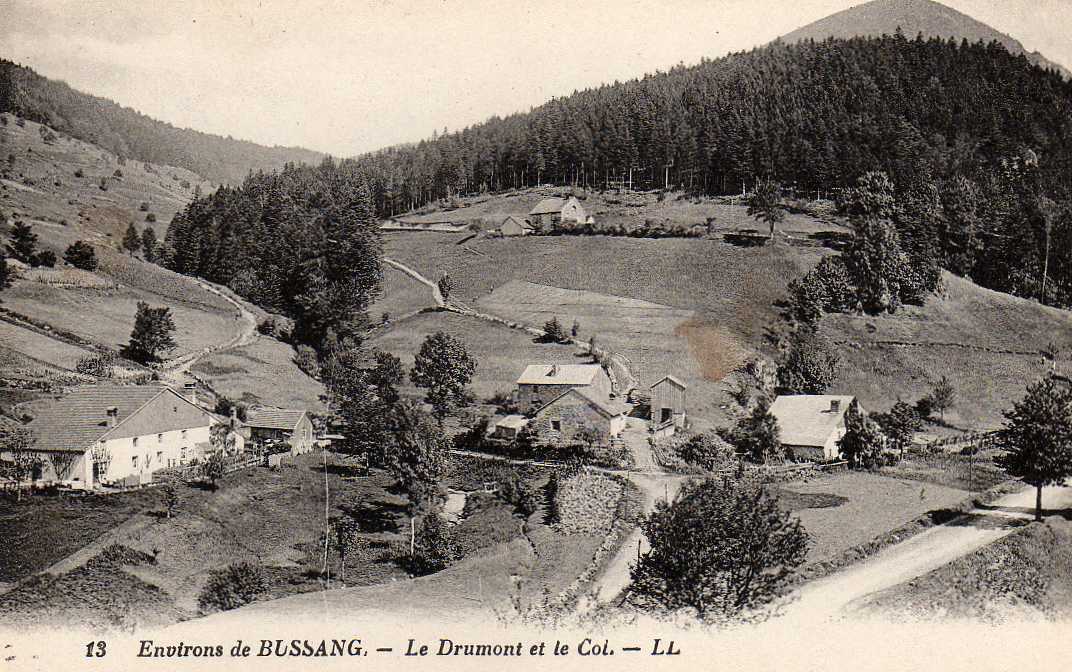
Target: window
(184, 435)
(556, 425)
(160, 456)
(159, 438)
(135, 442)
(184, 453)
(134, 461)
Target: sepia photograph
(463, 334)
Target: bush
(46, 258)
(81, 254)
(117, 173)
(522, 494)
(708, 451)
(99, 365)
(79, 173)
(306, 360)
(236, 585)
(150, 217)
(144, 206)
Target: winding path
(176, 368)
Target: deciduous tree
(766, 205)
(1037, 437)
(721, 549)
(444, 368)
(808, 366)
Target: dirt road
(177, 368)
(840, 594)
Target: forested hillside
(814, 114)
(131, 134)
(977, 143)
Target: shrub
(522, 494)
(144, 206)
(47, 135)
(236, 585)
(708, 451)
(46, 258)
(433, 549)
(117, 173)
(79, 173)
(20, 122)
(104, 184)
(150, 217)
(99, 365)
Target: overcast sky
(346, 77)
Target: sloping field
(108, 317)
(987, 343)
(41, 347)
(401, 295)
(501, 353)
(262, 371)
(657, 340)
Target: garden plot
(860, 506)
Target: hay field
(657, 340)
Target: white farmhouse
(812, 424)
(102, 435)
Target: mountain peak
(932, 19)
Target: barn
(514, 226)
(552, 211)
(282, 425)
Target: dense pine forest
(128, 133)
(816, 115)
(303, 242)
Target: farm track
(179, 367)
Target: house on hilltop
(540, 383)
(282, 425)
(119, 435)
(812, 424)
(552, 211)
(514, 226)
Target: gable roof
(601, 406)
(807, 419)
(672, 379)
(79, 419)
(274, 418)
(520, 221)
(549, 206)
(559, 374)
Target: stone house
(572, 412)
(514, 226)
(540, 383)
(282, 425)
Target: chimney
(234, 416)
(835, 405)
(113, 416)
(189, 390)
(554, 371)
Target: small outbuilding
(274, 425)
(812, 424)
(514, 226)
(507, 428)
(668, 402)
